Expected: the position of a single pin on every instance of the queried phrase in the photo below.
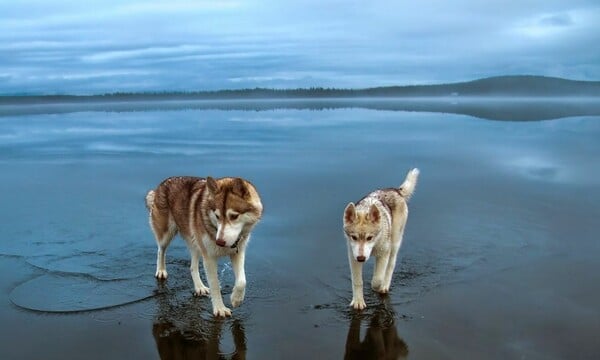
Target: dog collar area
(235, 244)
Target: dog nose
(361, 258)
(221, 242)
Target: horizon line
(274, 89)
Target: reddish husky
(215, 218)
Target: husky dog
(215, 218)
(375, 225)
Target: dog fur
(375, 226)
(215, 218)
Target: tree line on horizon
(522, 85)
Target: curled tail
(410, 183)
(150, 199)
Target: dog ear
(239, 187)
(212, 185)
(350, 213)
(374, 214)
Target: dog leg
(379, 274)
(161, 266)
(164, 231)
(163, 242)
(390, 267)
(358, 300)
(199, 287)
(211, 268)
(239, 289)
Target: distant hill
(500, 86)
(520, 85)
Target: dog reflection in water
(181, 332)
(381, 340)
(174, 344)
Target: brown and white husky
(375, 226)
(215, 218)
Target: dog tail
(410, 183)
(150, 199)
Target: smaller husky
(215, 218)
(375, 225)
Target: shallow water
(496, 200)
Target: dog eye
(216, 215)
(354, 237)
(369, 238)
(233, 216)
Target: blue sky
(86, 47)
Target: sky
(93, 47)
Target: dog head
(233, 208)
(362, 228)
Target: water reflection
(181, 331)
(381, 340)
(491, 108)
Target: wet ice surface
(492, 196)
(64, 293)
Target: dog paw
(358, 304)
(383, 290)
(161, 274)
(222, 311)
(201, 291)
(237, 296)
(377, 284)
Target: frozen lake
(499, 260)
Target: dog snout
(361, 258)
(221, 242)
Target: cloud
(545, 25)
(190, 45)
(556, 20)
(152, 52)
(176, 7)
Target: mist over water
(493, 197)
(506, 108)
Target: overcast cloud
(86, 47)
